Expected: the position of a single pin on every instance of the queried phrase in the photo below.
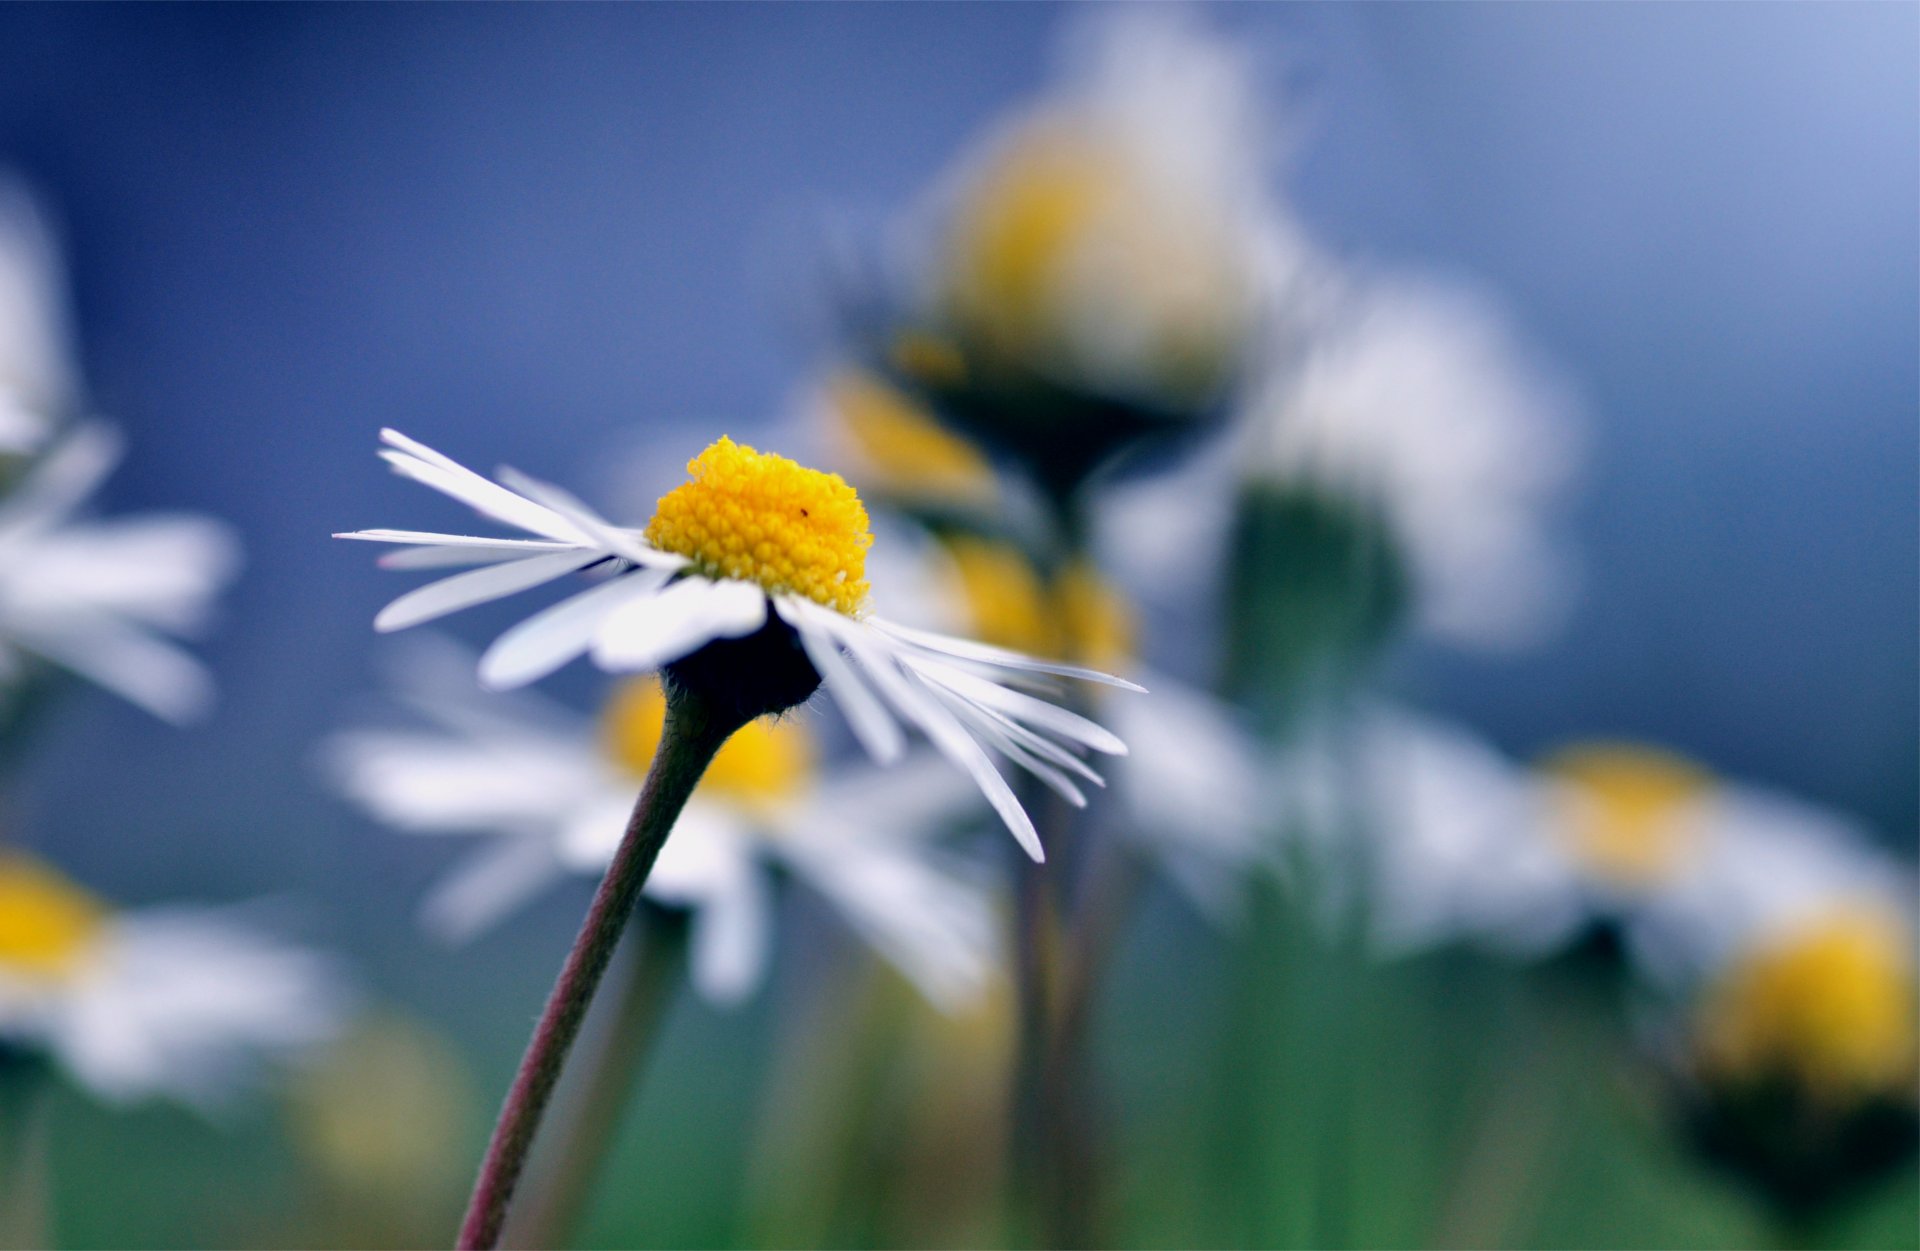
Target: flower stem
(589, 1113)
(24, 1218)
(693, 733)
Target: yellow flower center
(905, 450)
(1071, 253)
(764, 763)
(47, 923)
(1624, 810)
(1080, 618)
(755, 517)
(1831, 1007)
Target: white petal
(134, 665)
(1020, 706)
(490, 885)
(872, 724)
(599, 529)
(680, 620)
(553, 636)
(983, 653)
(478, 586)
(434, 538)
(443, 474)
(62, 479)
(877, 657)
(996, 736)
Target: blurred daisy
(1468, 846)
(97, 596)
(174, 1002)
(749, 584)
(1099, 263)
(1414, 403)
(550, 792)
(38, 381)
(1798, 1067)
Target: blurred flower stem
(23, 1153)
(694, 731)
(1054, 1159)
(592, 1107)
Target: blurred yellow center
(1080, 618)
(1831, 1007)
(1025, 218)
(764, 762)
(1625, 809)
(47, 923)
(755, 517)
(905, 449)
(1072, 254)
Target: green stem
(692, 734)
(591, 1110)
(23, 1156)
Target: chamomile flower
(98, 596)
(174, 1002)
(549, 792)
(38, 380)
(1794, 1064)
(1467, 845)
(748, 584)
(1094, 270)
(1414, 404)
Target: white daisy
(38, 380)
(1415, 401)
(175, 1002)
(550, 792)
(97, 596)
(1119, 236)
(1466, 845)
(753, 548)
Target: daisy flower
(1794, 1066)
(1094, 270)
(175, 1002)
(748, 584)
(98, 596)
(38, 380)
(1415, 402)
(549, 792)
(1466, 844)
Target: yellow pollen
(1830, 1007)
(764, 763)
(755, 517)
(905, 450)
(1625, 810)
(1080, 618)
(47, 923)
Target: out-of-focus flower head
(551, 792)
(1097, 267)
(39, 383)
(748, 586)
(98, 596)
(1415, 409)
(175, 1002)
(1614, 841)
(1798, 1069)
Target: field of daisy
(959, 626)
